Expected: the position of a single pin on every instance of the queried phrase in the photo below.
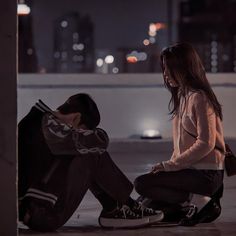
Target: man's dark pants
(91, 171)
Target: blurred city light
(77, 58)
(57, 55)
(64, 55)
(100, 62)
(142, 56)
(225, 57)
(146, 42)
(64, 24)
(152, 27)
(115, 70)
(135, 56)
(77, 46)
(75, 36)
(29, 51)
(109, 59)
(131, 59)
(160, 26)
(80, 58)
(23, 9)
(151, 134)
(214, 44)
(152, 40)
(152, 33)
(214, 57)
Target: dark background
(118, 28)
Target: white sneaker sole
(130, 223)
(123, 223)
(156, 218)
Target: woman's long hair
(186, 69)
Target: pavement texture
(135, 157)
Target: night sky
(121, 23)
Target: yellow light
(146, 42)
(23, 9)
(160, 26)
(132, 59)
(152, 27)
(152, 33)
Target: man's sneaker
(153, 215)
(123, 217)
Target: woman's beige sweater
(199, 119)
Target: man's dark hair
(84, 104)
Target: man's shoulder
(33, 118)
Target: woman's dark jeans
(175, 187)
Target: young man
(61, 155)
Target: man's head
(85, 105)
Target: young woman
(194, 172)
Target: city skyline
(122, 29)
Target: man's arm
(63, 140)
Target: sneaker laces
(140, 207)
(127, 211)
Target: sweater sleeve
(63, 140)
(174, 134)
(206, 135)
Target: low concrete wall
(129, 103)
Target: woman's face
(167, 76)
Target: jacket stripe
(45, 194)
(40, 197)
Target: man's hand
(73, 120)
(157, 168)
(76, 120)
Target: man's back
(34, 156)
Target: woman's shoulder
(197, 96)
(198, 101)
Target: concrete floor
(135, 157)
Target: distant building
(27, 58)
(210, 27)
(73, 44)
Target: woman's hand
(157, 168)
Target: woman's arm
(205, 119)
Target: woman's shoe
(215, 212)
(208, 213)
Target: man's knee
(105, 158)
(140, 185)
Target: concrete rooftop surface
(135, 157)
